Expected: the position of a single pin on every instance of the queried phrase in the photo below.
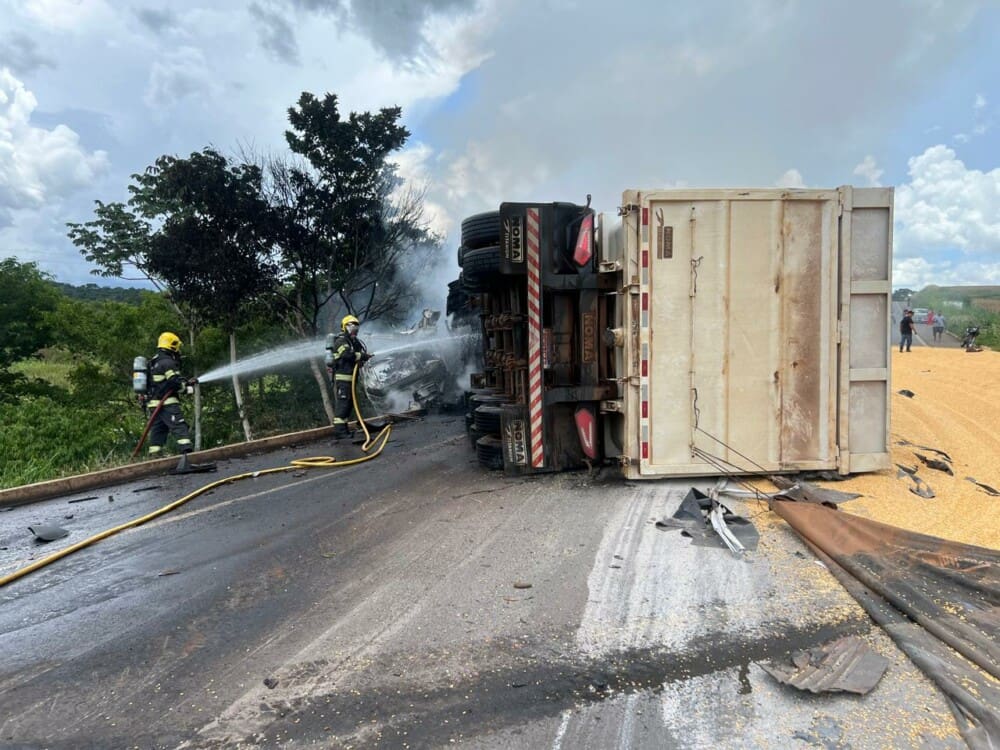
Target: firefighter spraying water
(345, 352)
(158, 385)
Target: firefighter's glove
(366, 356)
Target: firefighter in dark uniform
(167, 384)
(346, 351)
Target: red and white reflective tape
(535, 341)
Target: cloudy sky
(522, 100)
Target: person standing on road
(346, 351)
(167, 384)
(938, 327)
(906, 330)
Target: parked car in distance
(920, 315)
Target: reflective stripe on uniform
(339, 420)
(342, 376)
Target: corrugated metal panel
(738, 326)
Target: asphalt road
(388, 605)
(923, 334)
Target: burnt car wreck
(427, 365)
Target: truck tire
(481, 230)
(489, 452)
(474, 436)
(487, 419)
(480, 268)
(458, 298)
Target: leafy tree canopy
(213, 245)
(26, 297)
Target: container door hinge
(628, 208)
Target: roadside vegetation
(238, 254)
(965, 306)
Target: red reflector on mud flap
(584, 242)
(586, 427)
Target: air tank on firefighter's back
(330, 341)
(140, 380)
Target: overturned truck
(697, 332)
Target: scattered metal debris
(923, 447)
(47, 533)
(709, 523)
(168, 573)
(794, 488)
(936, 598)
(522, 585)
(145, 489)
(985, 487)
(933, 463)
(270, 683)
(907, 393)
(921, 488)
(184, 466)
(823, 476)
(847, 665)
(83, 499)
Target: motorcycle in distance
(969, 341)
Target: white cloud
(946, 205)
(414, 166)
(979, 103)
(67, 15)
(180, 74)
(38, 166)
(870, 171)
(916, 273)
(790, 179)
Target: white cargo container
(751, 330)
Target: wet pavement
(420, 601)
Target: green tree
(119, 242)
(349, 222)
(345, 224)
(26, 298)
(213, 245)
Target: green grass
(56, 373)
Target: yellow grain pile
(956, 409)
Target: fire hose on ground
(372, 448)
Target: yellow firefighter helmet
(169, 341)
(348, 319)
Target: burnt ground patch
(504, 684)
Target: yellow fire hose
(377, 442)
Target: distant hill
(93, 292)
(964, 292)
